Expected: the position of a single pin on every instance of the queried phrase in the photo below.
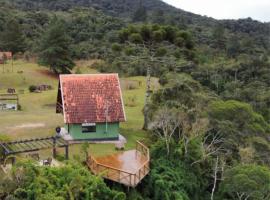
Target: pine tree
(55, 49)
(12, 38)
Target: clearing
(38, 118)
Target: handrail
(107, 166)
(144, 148)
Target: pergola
(31, 145)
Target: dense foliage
(28, 181)
(55, 49)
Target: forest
(208, 125)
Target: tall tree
(12, 38)
(246, 182)
(140, 15)
(55, 49)
(219, 36)
(233, 47)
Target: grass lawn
(38, 117)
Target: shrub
(136, 38)
(78, 71)
(158, 36)
(161, 51)
(19, 107)
(132, 101)
(116, 47)
(129, 51)
(32, 88)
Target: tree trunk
(215, 179)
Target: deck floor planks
(127, 167)
(129, 161)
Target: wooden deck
(128, 167)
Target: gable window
(89, 127)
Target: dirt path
(27, 126)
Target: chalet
(92, 106)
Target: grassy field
(38, 118)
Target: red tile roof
(89, 98)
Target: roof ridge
(101, 74)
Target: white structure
(8, 106)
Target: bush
(19, 107)
(136, 38)
(161, 51)
(129, 51)
(116, 47)
(32, 88)
(78, 71)
(132, 101)
(179, 41)
(158, 36)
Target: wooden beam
(20, 145)
(4, 147)
(47, 143)
(30, 140)
(67, 152)
(61, 143)
(30, 145)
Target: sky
(226, 9)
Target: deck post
(13, 160)
(119, 176)
(140, 174)
(4, 158)
(136, 148)
(66, 151)
(54, 149)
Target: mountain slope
(157, 12)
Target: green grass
(39, 108)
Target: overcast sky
(226, 9)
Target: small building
(44, 87)
(9, 102)
(92, 106)
(5, 56)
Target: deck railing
(140, 147)
(119, 175)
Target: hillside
(156, 10)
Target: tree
(55, 51)
(72, 181)
(246, 182)
(237, 124)
(85, 150)
(165, 124)
(219, 36)
(12, 38)
(140, 15)
(233, 47)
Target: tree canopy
(55, 50)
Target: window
(89, 128)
